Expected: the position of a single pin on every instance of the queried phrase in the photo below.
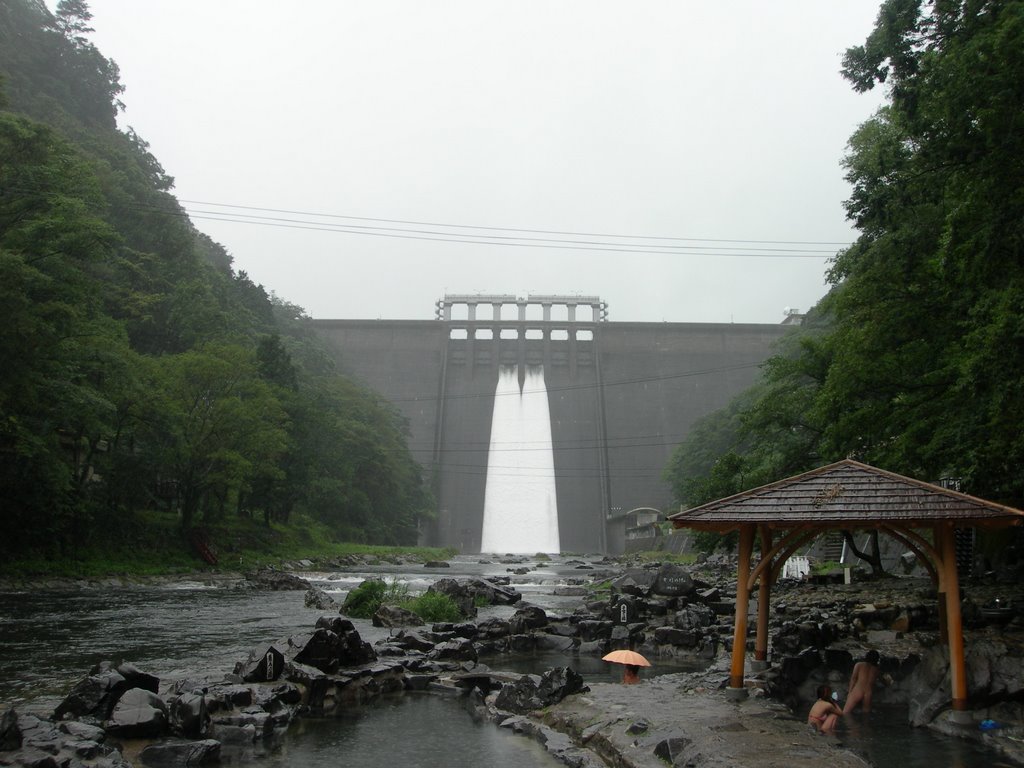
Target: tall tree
(914, 361)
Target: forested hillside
(138, 369)
(914, 361)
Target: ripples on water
(412, 730)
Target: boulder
(82, 731)
(395, 616)
(96, 694)
(494, 627)
(453, 650)
(317, 598)
(527, 618)
(635, 581)
(533, 692)
(319, 649)
(278, 581)
(491, 591)
(187, 714)
(681, 638)
(695, 616)
(460, 593)
(138, 714)
(314, 682)
(181, 753)
(265, 662)
(10, 734)
(409, 641)
(352, 649)
(593, 630)
(672, 581)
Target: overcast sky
(712, 123)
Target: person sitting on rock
(631, 674)
(862, 683)
(825, 713)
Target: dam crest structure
(473, 384)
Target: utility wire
(489, 239)
(551, 245)
(511, 229)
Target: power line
(511, 229)
(492, 239)
(600, 247)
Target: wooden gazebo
(787, 515)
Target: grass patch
(151, 543)
(665, 557)
(827, 566)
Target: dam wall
(621, 397)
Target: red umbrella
(626, 657)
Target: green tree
(213, 427)
(57, 345)
(914, 361)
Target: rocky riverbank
(666, 611)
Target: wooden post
(739, 635)
(764, 590)
(954, 623)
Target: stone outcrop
(533, 692)
(269, 578)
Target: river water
(50, 639)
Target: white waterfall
(520, 506)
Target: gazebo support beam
(764, 591)
(739, 635)
(954, 622)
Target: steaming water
(520, 506)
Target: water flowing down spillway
(520, 506)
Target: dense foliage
(139, 369)
(914, 361)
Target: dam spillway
(520, 498)
(621, 396)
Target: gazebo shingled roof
(790, 513)
(846, 494)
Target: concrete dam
(540, 423)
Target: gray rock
(10, 734)
(532, 692)
(84, 731)
(453, 650)
(268, 578)
(394, 616)
(138, 714)
(181, 753)
(635, 581)
(187, 714)
(265, 663)
(317, 598)
(673, 581)
(460, 592)
(527, 618)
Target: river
(50, 639)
